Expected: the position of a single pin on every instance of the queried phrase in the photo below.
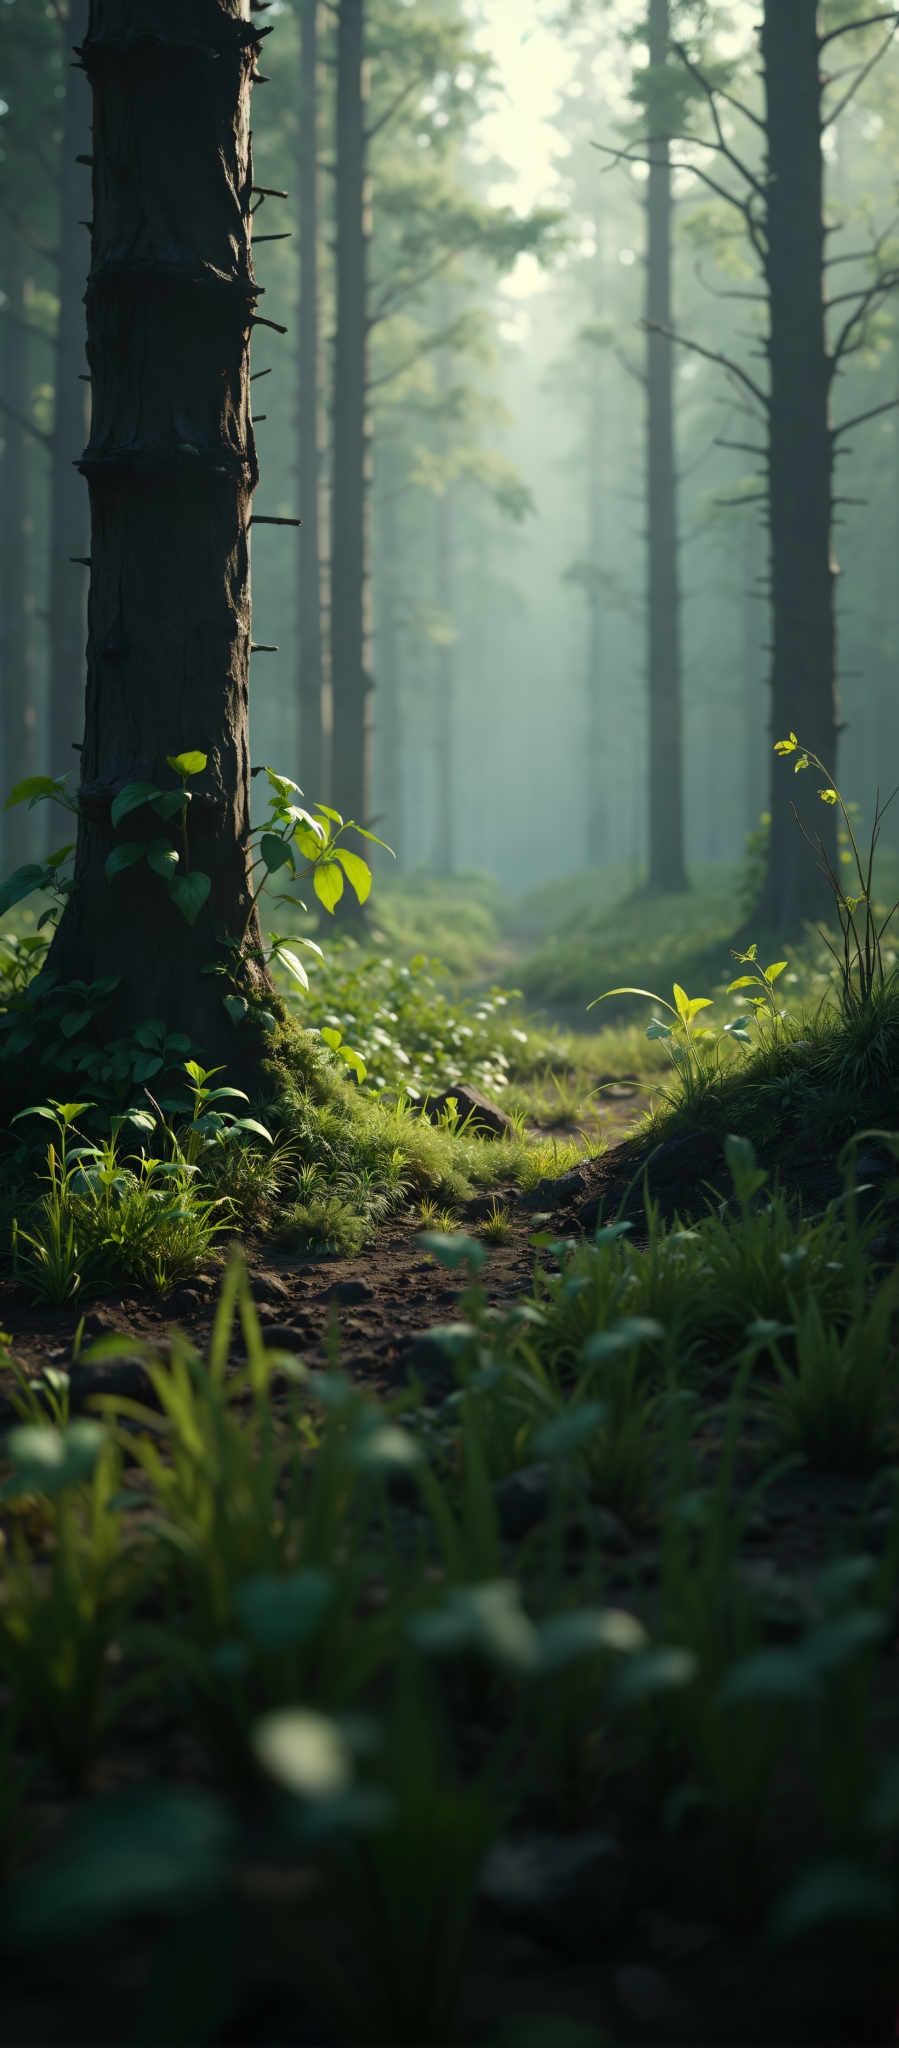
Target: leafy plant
(861, 967)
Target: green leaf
(278, 1613)
(327, 813)
(34, 788)
(292, 964)
(327, 882)
(743, 981)
(132, 798)
(48, 1460)
(187, 764)
(835, 1890)
(372, 836)
(630, 992)
(307, 840)
(124, 856)
(330, 1036)
(778, 968)
(659, 1030)
(828, 796)
(354, 1061)
(249, 1123)
(21, 883)
(189, 893)
(571, 1430)
(237, 1007)
(169, 802)
(74, 1021)
(276, 853)
(162, 858)
(580, 1633)
(357, 871)
(55, 860)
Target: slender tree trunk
(350, 599)
(17, 627)
(597, 736)
(69, 514)
(667, 871)
(309, 588)
(753, 737)
(171, 467)
(388, 728)
(444, 721)
(803, 669)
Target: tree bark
(667, 871)
(171, 468)
(309, 586)
(69, 515)
(388, 737)
(444, 723)
(350, 595)
(17, 626)
(800, 483)
(597, 734)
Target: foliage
(861, 967)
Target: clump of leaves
(861, 967)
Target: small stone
(286, 1336)
(98, 1322)
(126, 1376)
(475, 1110)
(347, 1291)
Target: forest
(449, 1023)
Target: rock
(550, 1195)
(99, 1322)
(522, 1499)
(473, 1108)
(347, 1291)
(562, 1885)
(285, 1336)
(126, 1376)
(426, 1359)
(267, 1287)
(481, 1206)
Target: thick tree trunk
(350, 599)
(171, 467)
(309, 588)
(667, 870)
(803, 670)
(69, 514)
(17, 626)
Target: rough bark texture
(309, 588)
(69, 513)
(388, 764)
(350, 629)
(597, 721)
(171, 467)
(17, 625)
(803, 669)
(666, 851)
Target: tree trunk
(444, 722)
(803, 670)
(667, 871)
(309, 588)
(19, 677)
(389, 727)
(597, 733)
(350, 599)
(171, 467)
(69, 521)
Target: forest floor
(597, 1925)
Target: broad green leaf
(623, 1336)
(363, 834)
(308, 842)
(354, 1061)
(47, 1460)
(237, 1007)
(583, 1631)
(659, 1030)
(249, 1123)
(571, 1430)
(21, 883)
(357, 871)
(777, 968)
(276, 853)
(689, 1006)
(743, 981)
(124, 856)
(298, 816)
(191, 763)
(74, 1021)
(169, 802)
(150, 1847)
(281, 784)
(189, 893)
(34, 788)
(327, 881)
(330, 1036)
(327, 813)
(162, 858)
(293, 965)
(55, 860)
(132, 798)
(277, 1613)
